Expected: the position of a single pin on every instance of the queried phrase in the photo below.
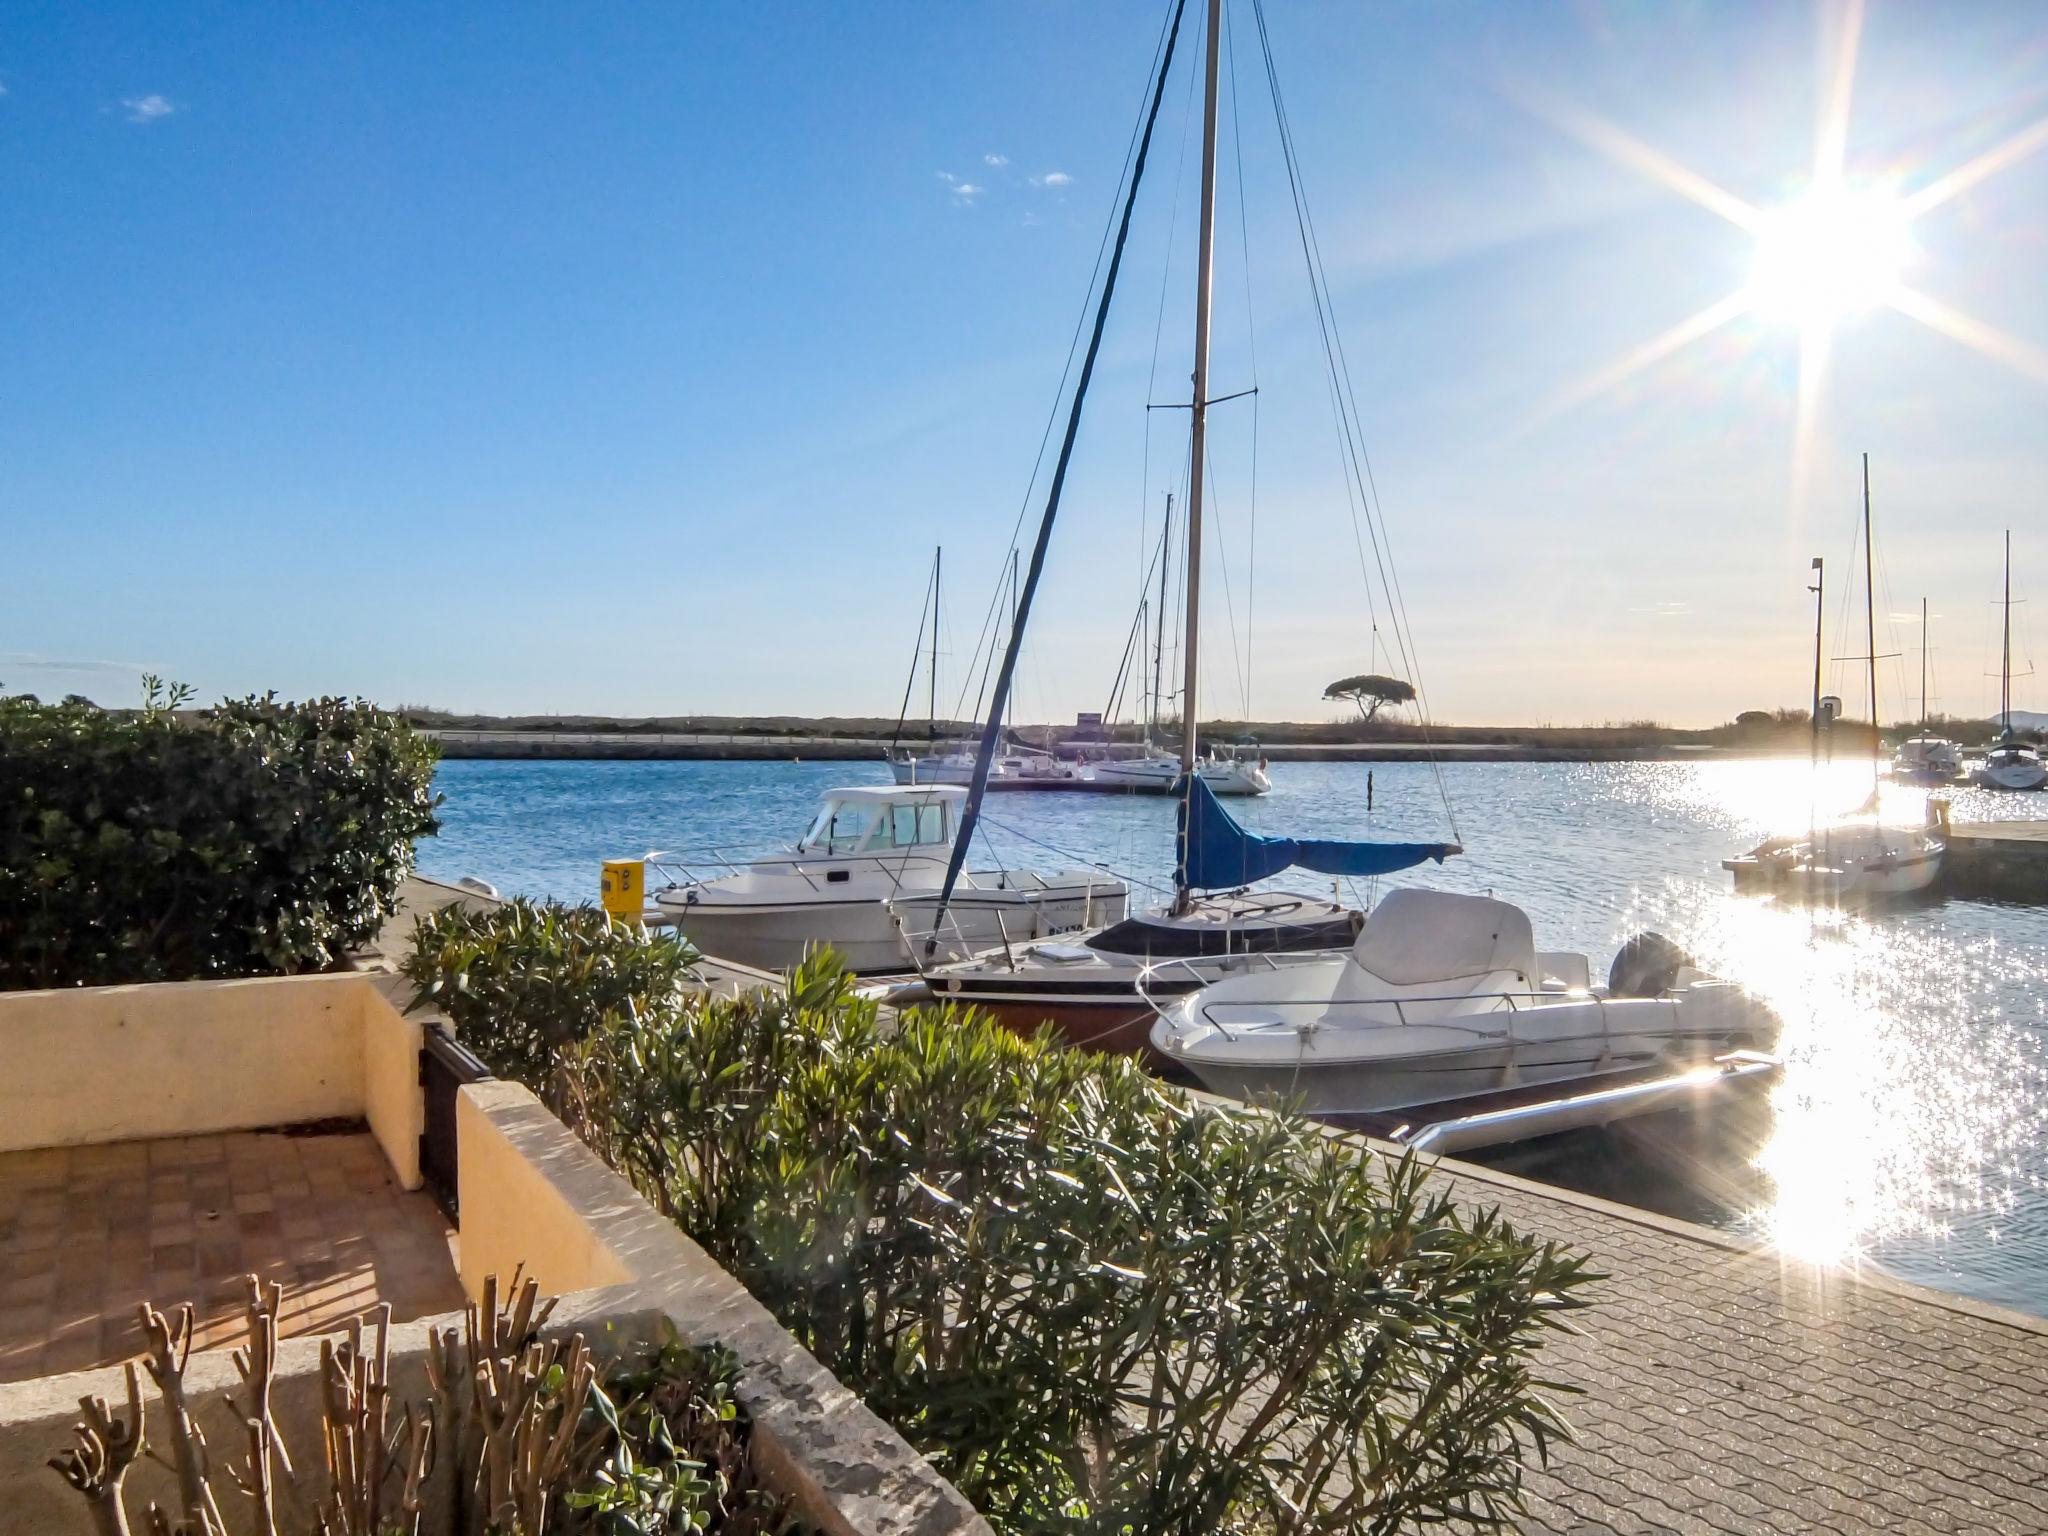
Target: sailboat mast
(1198, 434)
(1923, 666)
(1819, 590)
(1870, 610)
(938, 553)
(2005, 653)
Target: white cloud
(146, 109)
(995, 160)
(1053, 179)
(965, 191)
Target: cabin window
(840, 828)
(919, 824)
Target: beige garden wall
(532, 1193)
(97, 1064)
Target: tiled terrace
(89, 1233)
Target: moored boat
(1442, 997)
(867, 848)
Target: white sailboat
(1089, 986)
(1925, 758)
(2008, 762)
(1862, 859)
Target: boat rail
(692, 867)
(1318, 1010)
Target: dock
(1997, 860)
(1727, 1387)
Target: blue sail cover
(1217, 854)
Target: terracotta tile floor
(89, 1233)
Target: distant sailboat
(1926, 758)
(1858, 860)
(2009, 764)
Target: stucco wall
(92, 1064)
(531, 1192)
(95, 1064)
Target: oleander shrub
(1097, 1305)
(256, 837)
(521, 980)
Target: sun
(1831, 254)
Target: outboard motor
(1646, 966)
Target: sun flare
(1833, 253)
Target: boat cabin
(884, 820)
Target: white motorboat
(2008, 762)
(1014, 770)
(866, 849)
(1442, 997)
(1931, 760)
(1844, 864)
(1156, 774)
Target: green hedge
(1097, 1305)
(253, 838)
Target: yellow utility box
(625, 888)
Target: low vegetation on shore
(1095, 1303)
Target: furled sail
(1217, 854)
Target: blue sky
(632, 360)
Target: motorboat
(1013, 770)
(1845, 864)
(1087, 986)
(866, 848)
(1441, 997)
(1933, 760)
(1156, 774)
(2009, 763)
(2012, 764)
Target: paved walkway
(87, 1234)
(1729, 1389)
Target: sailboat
(1859, 860)
(1154, 771)
(1090, 987)
(2009, 764)
(1925, 758)
(951, 764)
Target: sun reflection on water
(1915, 1090)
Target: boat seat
(1462, 951)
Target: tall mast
(1870, 610)
(2005, 654)
(1923, 666)
(938, 553)
(1818, 589)
(1198, 434)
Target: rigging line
(985, 753)
(916, 656)
(1073, 346)
(1376, 523)
(1187, 118)
(1251, 339)
(1071, 853)
(1215, 508)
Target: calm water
(1908, 1132)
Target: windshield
(840, 827)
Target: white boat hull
(2013, 776)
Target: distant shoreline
(1523, 746)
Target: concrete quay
(1998, 860)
